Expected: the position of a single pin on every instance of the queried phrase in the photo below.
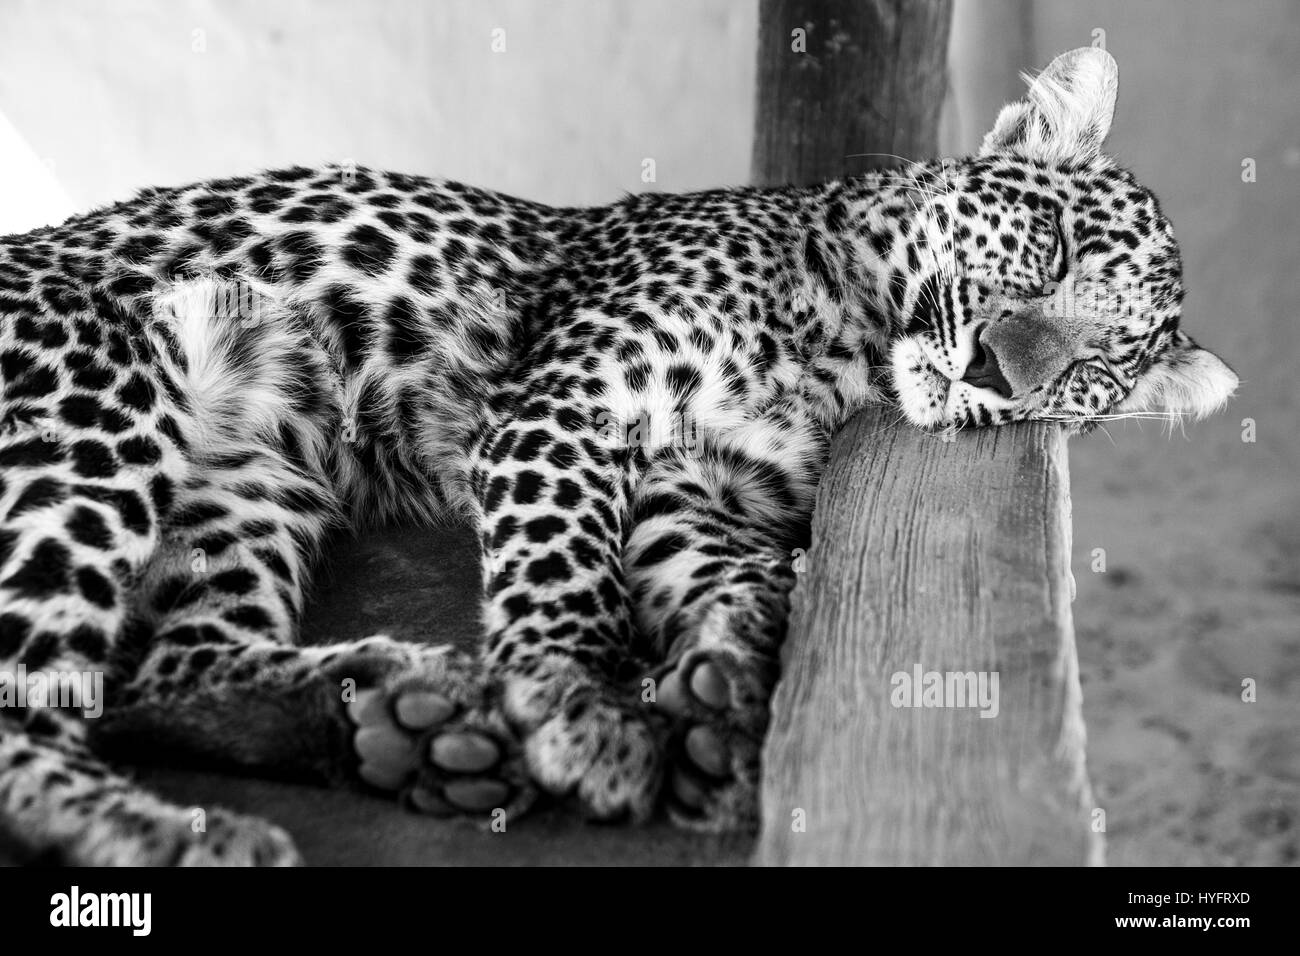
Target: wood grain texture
(954, 556)
(871, 80)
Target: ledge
(954, 556)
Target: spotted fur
(631, 404)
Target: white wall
(122, 94)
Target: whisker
(1170, 417)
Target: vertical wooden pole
(842, 78)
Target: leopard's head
(1047, 282)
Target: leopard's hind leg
(84, 460)
(221, 679)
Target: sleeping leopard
(629, 404)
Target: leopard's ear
(1066, 114)
(1186, 380)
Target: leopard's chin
(931, 400)
(923, 391)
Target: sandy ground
(1201, 591)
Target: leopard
(628, 404)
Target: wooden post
(870, 79)
(928, 556)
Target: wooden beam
(950, 556)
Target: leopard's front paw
(595, 747)
(716, 693)
(428, 733)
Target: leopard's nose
(984, 372)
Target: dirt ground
(1201, 591)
